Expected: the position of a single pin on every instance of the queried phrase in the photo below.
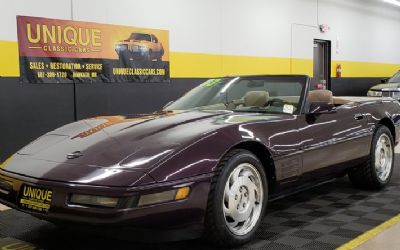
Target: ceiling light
(394, 2)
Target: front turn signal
(182, 193)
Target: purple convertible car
(207, 164)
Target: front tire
(377, 171)
(237, 199)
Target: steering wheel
(233, 103)
(276, 102)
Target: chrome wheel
(243, 199)
(383, 157)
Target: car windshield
(395, 78)
(267, 94)
(140, 37)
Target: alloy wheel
(243, 199)
(383, 157)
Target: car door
(328, 140)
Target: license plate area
(35, 199)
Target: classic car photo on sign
(139, 46)
(218, 154)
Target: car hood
(110, 140)
(90, 150)
(118, 150)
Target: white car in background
(390, 87)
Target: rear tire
(237, 199)
(376, 172)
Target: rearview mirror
(322, 108)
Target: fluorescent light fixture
(394, 2)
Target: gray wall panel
(28, 111)
(353, 86)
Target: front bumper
(170, 215)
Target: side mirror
(322, 108)
(384, 80)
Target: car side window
(281, 94)
(395, 78)
(155, 40)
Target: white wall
(367, 30)
(42, 8)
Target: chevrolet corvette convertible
(208, 163)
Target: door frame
(327, 60)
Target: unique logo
(63, 38)
(74, 155)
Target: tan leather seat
(256, 98)
(320, 95)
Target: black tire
(365, 176)
(216, 228)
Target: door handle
(358, 117)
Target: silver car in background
(390, 87)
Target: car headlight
(165, 196)
(374, 93)
(5, 187)
(92, 200)
(120, 47)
